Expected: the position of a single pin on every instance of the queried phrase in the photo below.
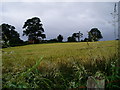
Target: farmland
(56, 57)
(25, 55)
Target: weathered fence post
(95, 83)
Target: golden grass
(25, 56)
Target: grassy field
(27, 55)
(58, 56)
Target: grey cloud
(61, 18)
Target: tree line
(33, 29)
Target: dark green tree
(60, 38)
(34, 29)
(94, 34)
(10, 37)
(77, 35)
(86, 40)
(71, 39)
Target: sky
(63, 18)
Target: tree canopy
(94, 34)
(10, 37)
(77, 35)
(34, 29)
(71, 39)
(60, 38)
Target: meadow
(57, 65)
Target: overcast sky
(63, 18)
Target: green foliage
(33, 77)
(113, 73)
(67, 75)
(33, 29)
(94, 34)
(63, 66)
(60, 38)
(10, 37)
(71, 39)
(77, 35)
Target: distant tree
(71, 39)
(33, 29)
(52, 40)
(10, 37)
(74, 35)
(60, 38)
(82, 40)
(77, 35)
(117, 39)
(94, 34)
(86, 40)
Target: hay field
(26, 56)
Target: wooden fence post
(96, 83)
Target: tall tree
(77, 35)
(94, 34)
(10, 37)
(71, 39)
(33, 29)
(60, 38)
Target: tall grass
(63, 72)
